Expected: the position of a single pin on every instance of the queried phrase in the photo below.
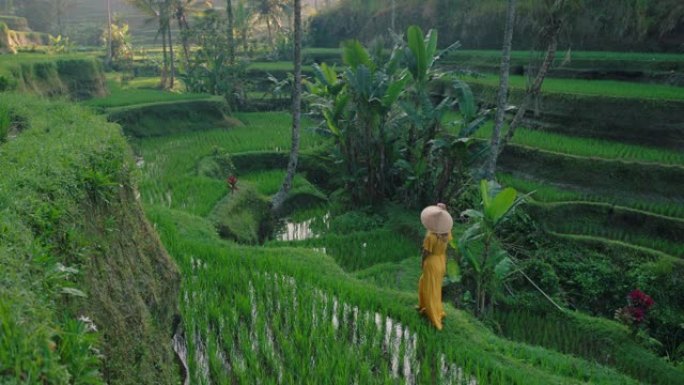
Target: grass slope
(281, 307)
(77, 255)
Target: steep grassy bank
(76, 76)
(165, 118)
(88, 294)
(15, 34)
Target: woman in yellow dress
(438, 223)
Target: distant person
(438, 223)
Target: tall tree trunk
(243, 37)
(231, 38)
(279, 199)
(164, 58)
(184, 29)
(109, 33)
(270, 33)
(534, 90)
(172, 61)
(502, 98)
(59, 10)
(394, 15)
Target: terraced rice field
(170, 179)
(288, 315)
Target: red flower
(232, 183)
(640, 299)
(637, 314)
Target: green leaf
(394, 91)
(73, 292)
(503, 268)
(331, 123)
(472, 126)
(393, 64)
(453, 270)
(355, 54)
(470, 258)
(471, 234)
(431, 46)
(416, 44)
(484, 192)
(329, 73)
(466, 100)
(319, 74)
(470, 213)
(341, 101)
(501, 204)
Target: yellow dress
(430, 283)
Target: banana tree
(489, 264)
(424, 156)
(385, 121)
(358, 107)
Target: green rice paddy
(293, 314)
(139, 91)
(588, 147)
(545, 192)
(605, 88)
(170, 168)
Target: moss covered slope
(77, 254)
(76, 76)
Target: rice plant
(588, 147)
(138, 91)
(170, 164)
(619, 234)
(550, 193)
(604, 88)
(291, 316)
(594, 339)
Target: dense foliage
(595, 24)
(389, 132)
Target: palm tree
(279, 198)
(165, 25)
(270, 12)
(555, 19)
(160, 10)
(242, 22)
(230, 31)
(181, 10)
(109, 32)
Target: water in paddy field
(224, 346)
(302, 230)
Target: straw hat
(437, 219)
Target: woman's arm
(424, 253)
(427, 249)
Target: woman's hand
(424, 253)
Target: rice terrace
(346, 192)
